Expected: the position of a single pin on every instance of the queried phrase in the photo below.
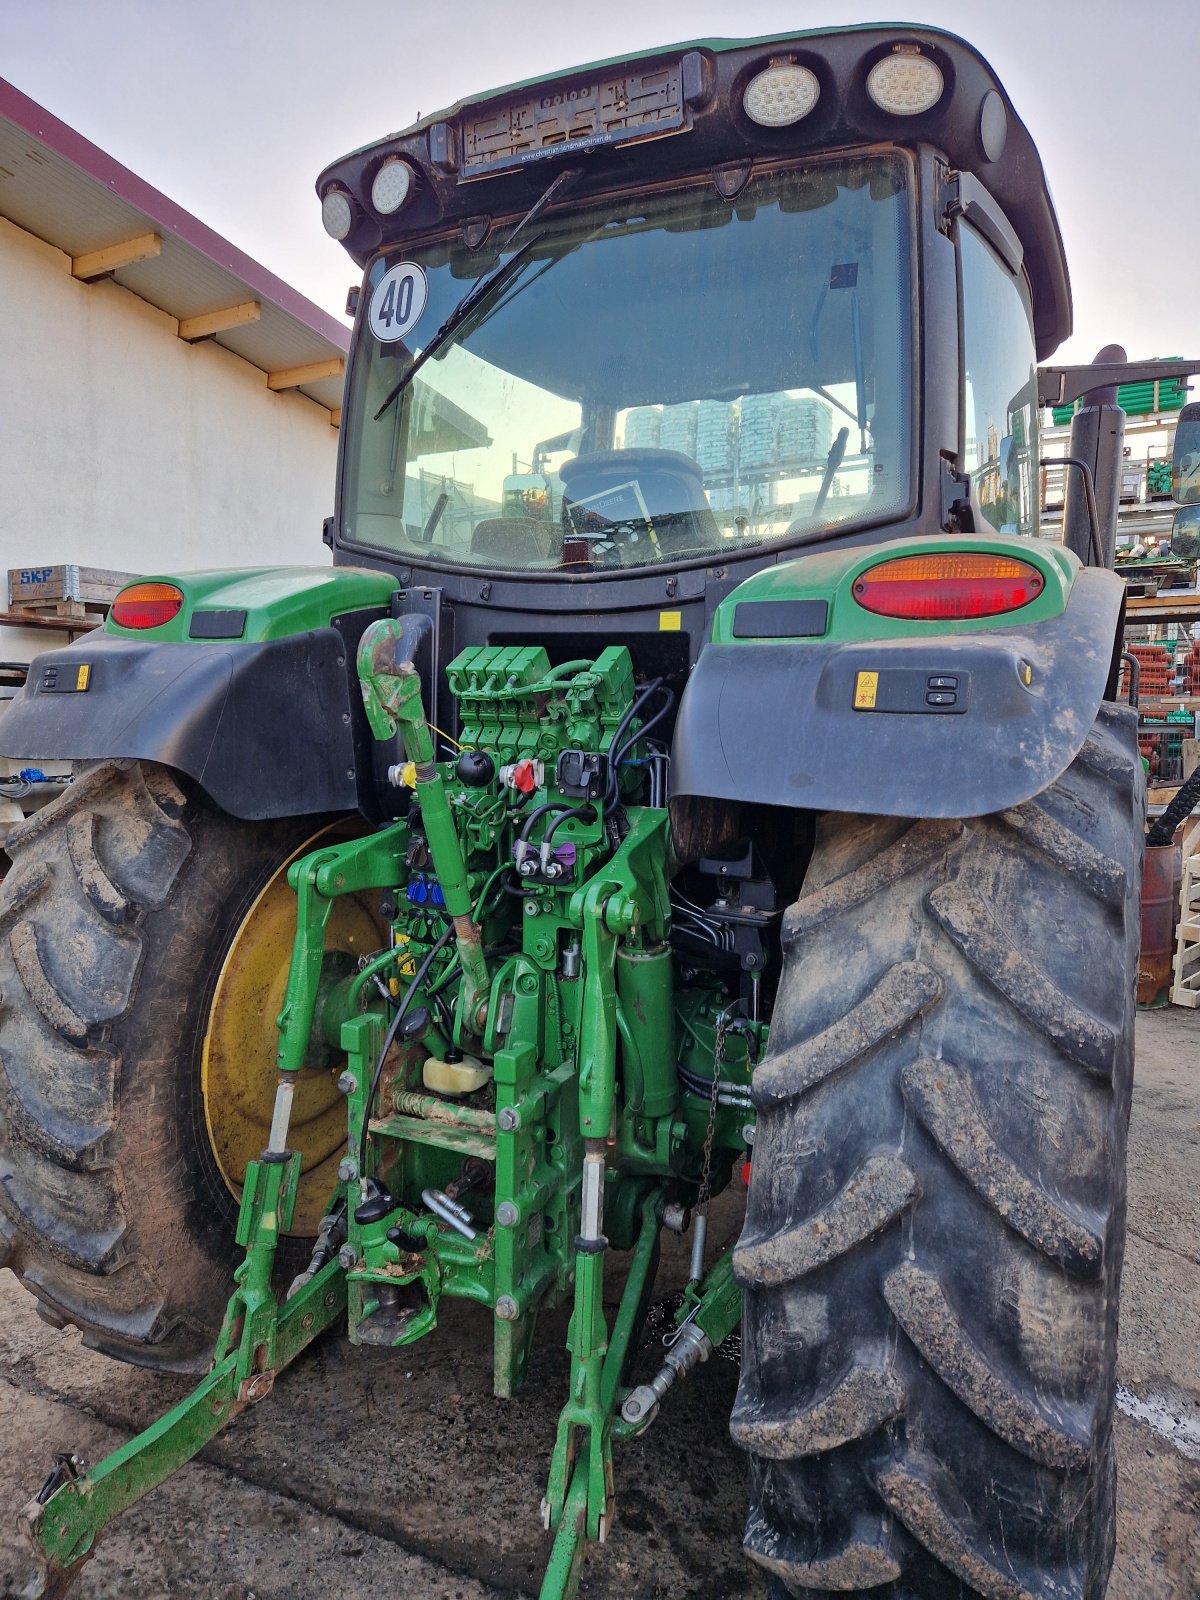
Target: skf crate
(69, 590)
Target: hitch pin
(458, 1217)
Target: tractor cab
(652, 325)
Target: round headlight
(906, 82)
(336, 213)
(392, 186)
(781, 94)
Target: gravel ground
(377, 1473)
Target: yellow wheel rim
(237, 1069)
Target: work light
(905, 82)
(336, 214)
(781, 94)
(392, 186)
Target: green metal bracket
(318, 879)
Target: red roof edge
(42, 125)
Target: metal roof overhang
(60, 187)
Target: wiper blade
(483, 286)
(478, 292)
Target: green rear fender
(804, 699)
(250, 689)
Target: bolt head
(506, 1308)
(507, 1214)
(347, 1257)
(347, 1170)
(508, 1119)
(748, 1133)
(347, 1083)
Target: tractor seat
(671, 485)
(515, 541)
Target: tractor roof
(674, 111)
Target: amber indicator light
(954, 586)
(147, 605)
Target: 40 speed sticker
(398, 302)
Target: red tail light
(952, 586)
(146, 605)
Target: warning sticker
(866, 687)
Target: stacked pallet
(805, 429)
(716, 435)
(643, 428)
(677, 430)
(1185, 989)
(758, 430)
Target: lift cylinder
(646, 992)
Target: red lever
(524, 778)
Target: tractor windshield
(669, 377)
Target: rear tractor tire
(935, 1224)
(144, 943)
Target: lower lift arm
(258, 1339)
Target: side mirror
(1185, 463)
(1185, 533)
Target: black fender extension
(776, 723)
(268, 729)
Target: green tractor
(691, 766)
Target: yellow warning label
(866, 686)
(82, 676)
(670, 621)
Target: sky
(232, 107)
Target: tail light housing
(956, 585)
(147, 605)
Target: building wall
(123, 447)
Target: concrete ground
(370, 1473)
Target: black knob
(414, 1023)
(377, 1204)
(475, 768)
(405, 1241)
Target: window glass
(1000, 408)
(651, 378)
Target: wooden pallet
(1185, 990)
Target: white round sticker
(398, 302)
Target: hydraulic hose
(618, 751)
(1162, 829)
(584, 814)
(614, 786)
(389, 1038)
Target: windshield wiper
(482, 286)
